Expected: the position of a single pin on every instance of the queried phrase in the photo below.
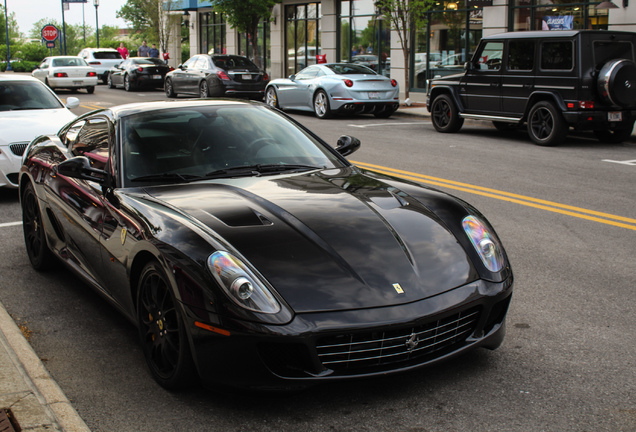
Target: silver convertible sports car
(250, 252)
(332, 88)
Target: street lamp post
(96, 3)
(6, 24)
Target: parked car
(550, 81)
(68, 72)
(217, 75)
(138, 72)
(28, 108)
(102, 59)
(235, 237)
(330, 88)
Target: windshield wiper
(180, 178)
(258, 170)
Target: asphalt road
(567, 216)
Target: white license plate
(78, 82)
(615, 116)
(374, 95)
(156, 77)
(246, 77)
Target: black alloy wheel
(162, 331)
(271, 98)
(169, 89)
(445, 115)
(38, 251)
(203, 90)
(546, 126)
(128, 84)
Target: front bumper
(10, 162)
(351, 344)
(599, 120)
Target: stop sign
(49, 33)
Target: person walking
(143, 50)
(153, 52)
(122, 50)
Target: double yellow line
(91, 107)
(592, 215)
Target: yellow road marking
(592, 215)
(91, 107)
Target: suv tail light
(94, 63)
(586, 104)
(91, 74)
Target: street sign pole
(63, 30)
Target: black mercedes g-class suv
(550, 80)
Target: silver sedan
(332, 88)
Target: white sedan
(69, 72)
(28, 109)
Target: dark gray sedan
(217, 75)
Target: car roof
(99, 49)
(139, 107)
(18, 77)
(542, 34)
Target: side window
(557, 55)
(490, 56)
(202, 64)
(307, 73)
(190, 62)
(521, 55)
(45, 64)
(92, 141)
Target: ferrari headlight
(485, 243)
(241, 284)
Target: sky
(28, 12)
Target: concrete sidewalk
(36, 401)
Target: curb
(35, 399)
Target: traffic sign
(49, 33)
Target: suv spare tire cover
(617, 83)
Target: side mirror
(292, 77)
(72, 102)
(182, 67)
(468, 66)
(79, 167)
(347, 145)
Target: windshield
(198, 142)
(349, 69)
(26, 95)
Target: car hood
(26, 125)
(333, 240)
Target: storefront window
(213, 27)
(365, 37)
(302, 25)
(566, 15)
(448, 41)
(246, 48)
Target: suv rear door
(480, 87)
(518, 79)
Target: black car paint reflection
(136, 72)
(346, 254)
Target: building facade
(301, 33)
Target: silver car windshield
(16, 96)
(201, 142)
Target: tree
(405, 16)
(244, 16)
(74, 35)
(151, 19)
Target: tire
(46, 81)
(38, 250)
(90, 90)
(167, 87)
(105, 78)
(505, 127)
(162, 330)
(204, 90)
(614, 136)
(110, 82)
(546, 125)
(321, 105)
(128, 84)
(445, 115)
(271, 98)
(616, 83)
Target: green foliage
(22, 66)
(143, 15)
(14, 31)
(33, 52)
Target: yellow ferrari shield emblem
(398, 288)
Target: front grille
(18, 148)
(410, 345)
